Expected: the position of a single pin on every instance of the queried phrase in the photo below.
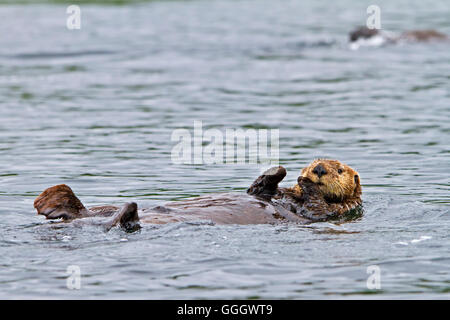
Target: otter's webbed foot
(127, 218)
(60, 202)
(266, 185)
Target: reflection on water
(95, 108)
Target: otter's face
(336, 180)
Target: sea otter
(325, 190)
(374, 37)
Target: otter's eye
(339, 171)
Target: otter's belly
(226, 208)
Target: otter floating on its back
(326, 189)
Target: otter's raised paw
(266, 185)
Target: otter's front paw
(308, 186)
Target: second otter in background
(373, 37)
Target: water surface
(95, 109)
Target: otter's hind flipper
(127, 217)
(266, 185)
(60, 202)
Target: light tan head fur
(337, 181)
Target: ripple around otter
(95, 109)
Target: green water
(95, 108)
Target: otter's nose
(319, 170)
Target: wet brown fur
(423, 35)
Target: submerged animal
(363, 36)
(325, 190)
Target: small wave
(420, 239)
(376, 41)
(53, 55)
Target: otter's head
(335, 180)
(362, 33)
(59, 202)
